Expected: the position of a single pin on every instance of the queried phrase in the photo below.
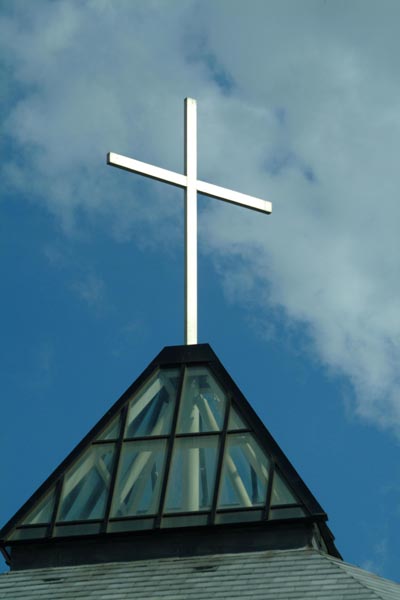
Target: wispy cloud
(90, 289)
(377, 563)
(302, 110)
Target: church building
(179, 491)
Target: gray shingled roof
(295, 574)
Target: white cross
(191, 185)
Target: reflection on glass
(235, 420)
(86, 485)
(111, 432)
(42, 512)
(78, 529)
(203, 402)
(134, 525)
(192, 476)
(245, 473)
(140, 473)
(281, 494)
(185, 520)
(29, 533)
(239, 516)
(151, 410)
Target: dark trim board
(153, 544)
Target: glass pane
(203, 402)
(78, 529)
(281, 494)
(245, 473)
(192, 476)
(236, 421)
(29, 533)
(140, 473)
(134, 525)
(239, 516)
(86, 485)
(185, 520)
(42, 512)
(286, 513)
(151, 410)
(111, 432)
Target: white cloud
(298, 103)
(378, 562)
(90, 289)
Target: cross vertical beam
(192, 187)
(191, 221)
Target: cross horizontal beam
(191, 186)
(208, 189)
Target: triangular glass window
(42, 512)
(150, 411)
(235, 420)
(204, 407)
(111, 432)
(182, 448)
(281, 494)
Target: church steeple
(180, 450)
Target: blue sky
(297, 104)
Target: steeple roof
(181, 449)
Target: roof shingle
(290, 574)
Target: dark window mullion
(284, 506)
(57, 496)
(170, 444)
(117, 455)
(195, 434)
(146, 438)
(269, 489)
(218, 472)
(99, 442)
(240, 509)
(241, 430)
